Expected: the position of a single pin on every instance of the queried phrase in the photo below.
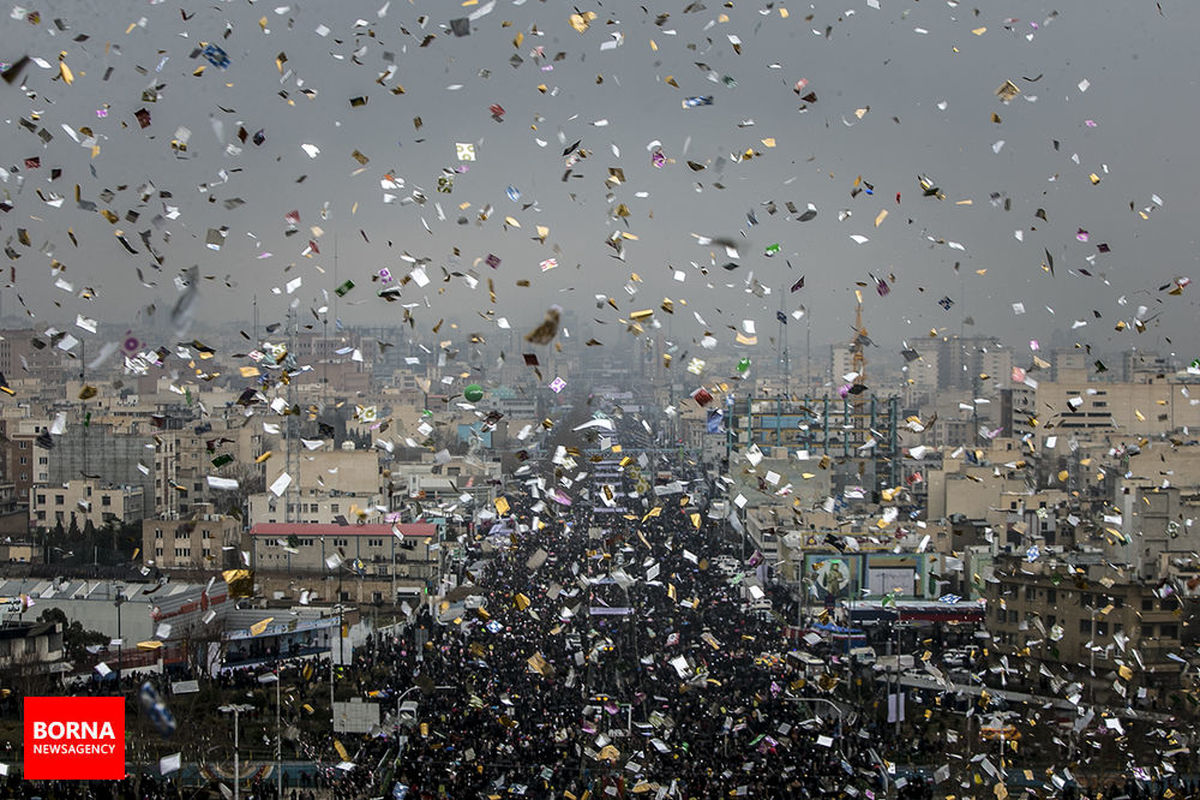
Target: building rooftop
(416, 529)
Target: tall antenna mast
(785, 359)
(292, 456)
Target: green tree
(76, 640)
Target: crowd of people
(585, 654)
(606, 653)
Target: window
(1052, 597)
(341, 542)
(59, 499)
(374, 542)
(1147, 604)
(1085, 626)
(1170, 631)
(106, 500)
(41, 499)
(158, 533)
(183, 552)
(333, 508)
(1012, 616)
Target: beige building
(84, 500)
(203, 541)
(406, 550)
(313, 507)
(1155, 407)
(1082, 612)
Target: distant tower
(858, 351)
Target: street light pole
(118, 601)
(278, 743)
(236, 709)
(837, 709)
(274, 677)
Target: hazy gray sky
(902, 89)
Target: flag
(171, 763)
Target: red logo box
(74, 738)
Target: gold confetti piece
(1094, 178)
(65, 71)
(880, 217)
(582, 21)
(769, 142)
(979, 31)
(1007, 91)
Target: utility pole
(118, 601)
(236, 709)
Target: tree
(76, 640)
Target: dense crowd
(589, 655)
(583, 673)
